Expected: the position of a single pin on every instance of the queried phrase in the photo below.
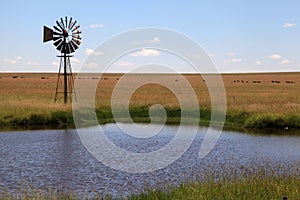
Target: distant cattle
(291, 82)
(275, 81)
(256, 81)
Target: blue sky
(240, 36)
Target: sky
(238, 35)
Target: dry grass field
(25, 94)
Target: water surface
(56, 158)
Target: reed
(254, 182)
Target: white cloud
(90, 52)
(32, 63)
(91, 65)
(145, 52)
(285, 61)
(258, 62)
(275, 57)
(10, 61)
(96, 26)
(154, 40)
(75, 60)
(230, 53)
(288, 25)
(123, 64)
(233, 60)
(18, 57)
(55, 63)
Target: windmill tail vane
(66, 39)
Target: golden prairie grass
(267, 93)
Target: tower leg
(58, 80)
(65, 79)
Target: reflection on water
(56, 158)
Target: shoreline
(241, 121)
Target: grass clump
(272, 121)
(61, 117)
(263, 182)
(260, 183)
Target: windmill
(66, 38)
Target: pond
(57, 159)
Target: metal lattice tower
(66, 38)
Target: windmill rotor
(65, 35)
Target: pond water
(57, 159)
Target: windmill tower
(66, 38)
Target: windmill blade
(59, 25)
(60, 46)
(56, 43)
(56, 33)
(66, 19)
(77, 32)
(76, 27)
(57, 29)
(71, 26)
(74, 44)
(48, 34)
(76, 41)
(70, 22)
(57, 38)
(62, 23)
(76, 37)
(72, 49)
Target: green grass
(264, 182)
(141, 114)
